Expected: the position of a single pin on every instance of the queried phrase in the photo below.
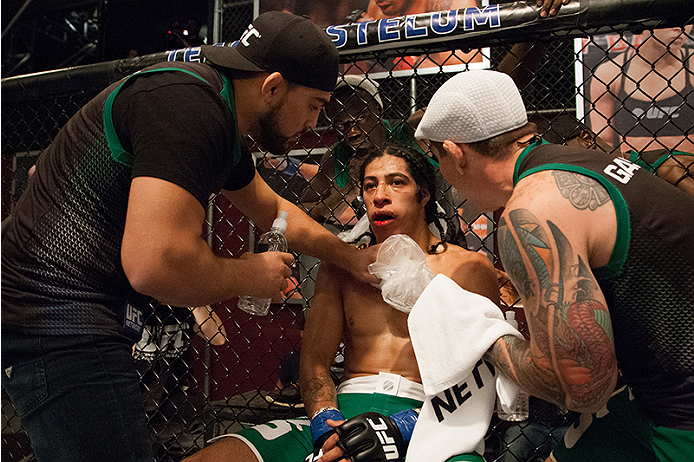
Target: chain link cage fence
(211, 372)
(232, 18)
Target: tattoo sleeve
(570, 358)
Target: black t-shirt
(182, 131)
(61, 267)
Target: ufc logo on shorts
(248, 33)
(387, 442)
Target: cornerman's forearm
(308, 237)
(512, 356)
(566, 383)
(316, 210)
(189, 274)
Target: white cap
(359, 82)
(473, 106)
(281, 221)
(511, 318)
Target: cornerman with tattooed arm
(601, 253)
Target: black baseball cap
(282, 42)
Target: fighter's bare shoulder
(472, 271)
(331, 270)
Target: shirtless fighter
(397, 185)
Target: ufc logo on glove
(371, 437)
(387, 442)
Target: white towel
(451, 328)
(454, 421)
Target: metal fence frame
(28, 101)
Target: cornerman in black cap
(113, 219)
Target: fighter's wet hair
(424, 177)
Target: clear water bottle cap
(281, 221)
(511, 318)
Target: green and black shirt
(61, 266)
(649, 281)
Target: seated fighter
(382, 379)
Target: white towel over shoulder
(451, 328)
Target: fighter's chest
(366, 310)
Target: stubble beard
(271, 138)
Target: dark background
(40, 35)
(54, 34)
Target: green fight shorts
(290, 440)
(621, 432)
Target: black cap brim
(230, 57)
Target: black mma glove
(321, 431)
(318, 447)
(373, 437)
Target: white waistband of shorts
(383, 383)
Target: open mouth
(382, 219)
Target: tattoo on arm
(320, 389)
(573, 355)
(582, 191)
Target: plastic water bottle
(273, 241)
(521, 411)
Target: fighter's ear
(425, 196)
(273, 87)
